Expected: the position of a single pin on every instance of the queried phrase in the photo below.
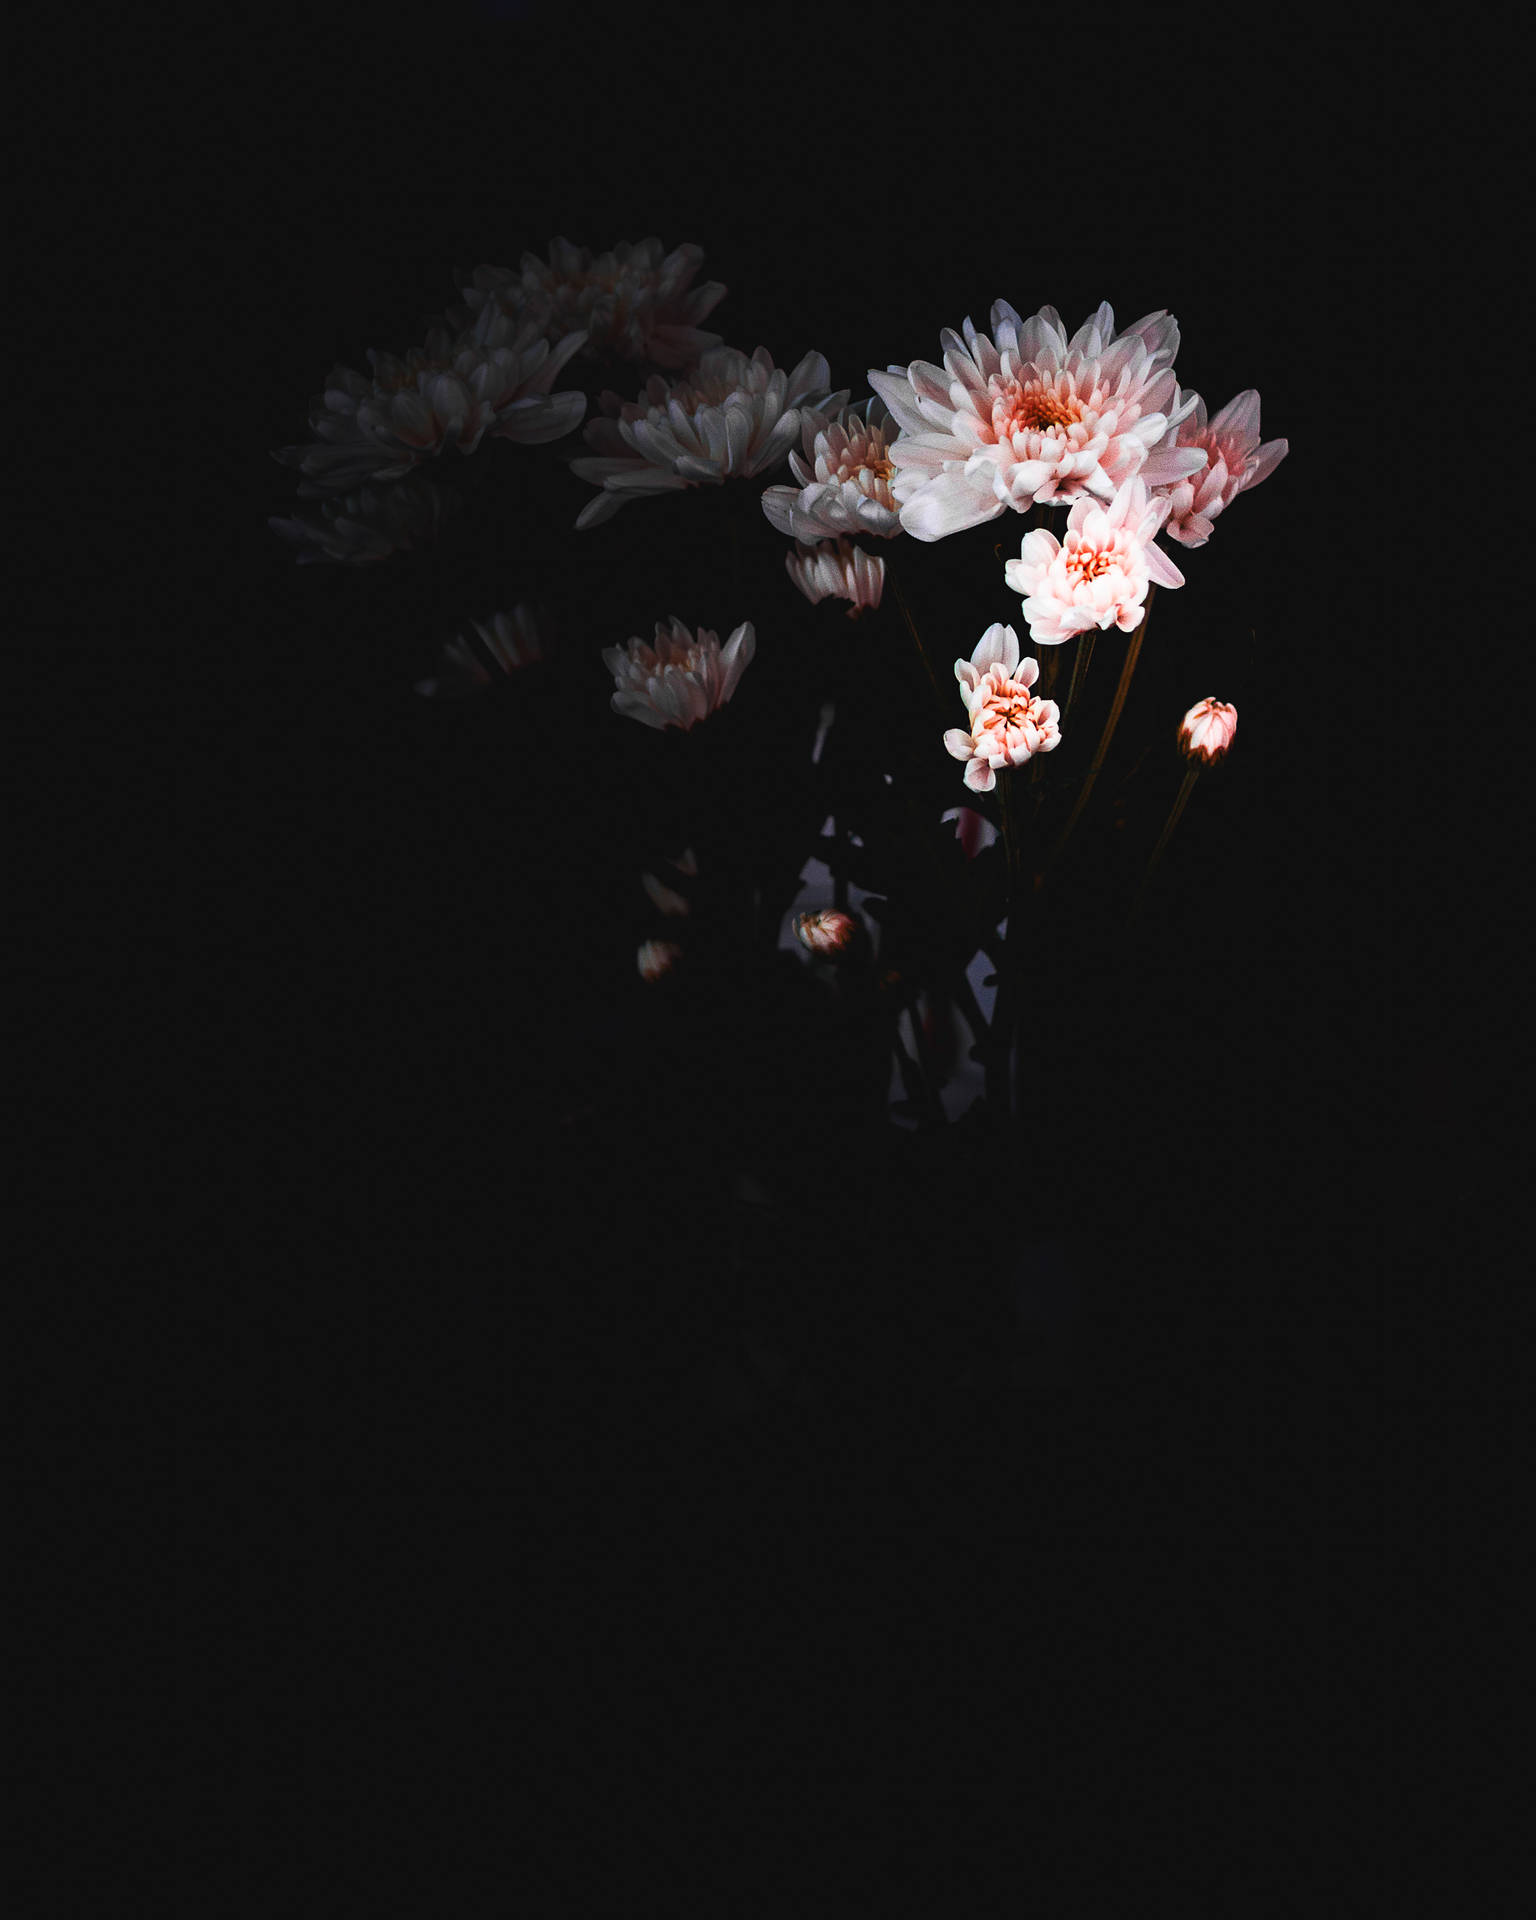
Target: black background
(481, 1473)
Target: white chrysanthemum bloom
(733, 415)
(632, 303)
(844, 477)
(371, 523)
(511, 642)
(1098, 575)
(1208, 730)
(840, 572)
(493, 378)
(683, 678)
(1009, 724)
(1235, 461)
(1036, 417)
(657, 957)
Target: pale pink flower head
(370, 523)
(1034, 417)
(632, 302)
(510, 642)
(830, 934)
(683, 678)
(837, 572)
(1207, 731)
(1009, 724)
(656, 958)
(843, 479)
(492, 378)
(734, 415)
(1097, 576)
(1235, 461)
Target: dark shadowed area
(522, 1394)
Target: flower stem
(906, 614)
(1131, 654)
(1167, 834)
(1000, 1039)
(1079, 671)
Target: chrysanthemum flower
(830, 934)
(1098, 575)
(511, 641)
(844, 477)
(735, 414)
(1207, 731)
(683, 678)
(840, 572)
(657, 957)
(371, 523)
(492, 378)
(631, 303)
(1035, 417)
(1009, 724)
(1235, 461)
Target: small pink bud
(657, 957)
(1207, 731)
(830, 935)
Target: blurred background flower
(632, 303)
(370, 523)
(840, 572)
(844, 477)
(683, 678)
(736, 414)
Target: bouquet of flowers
(885, 779)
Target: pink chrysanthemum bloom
(844, 478)
(1009, 725)
(840, 572)
(830, 934)
(683, 678)
(511, 642)
(1207, 731)
(493, 378)
(657, 957)
(1235, 461)
(371, 523)
(632, 303)
(1036, 417)
(1098, 575)
(734, 415)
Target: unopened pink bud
(1207, 731)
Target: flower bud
(1207, 730)
(830, 934)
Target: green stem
(1000, 1039)
(1167, 834)
(1131, 654)
(1079, 672)
(906, 614)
